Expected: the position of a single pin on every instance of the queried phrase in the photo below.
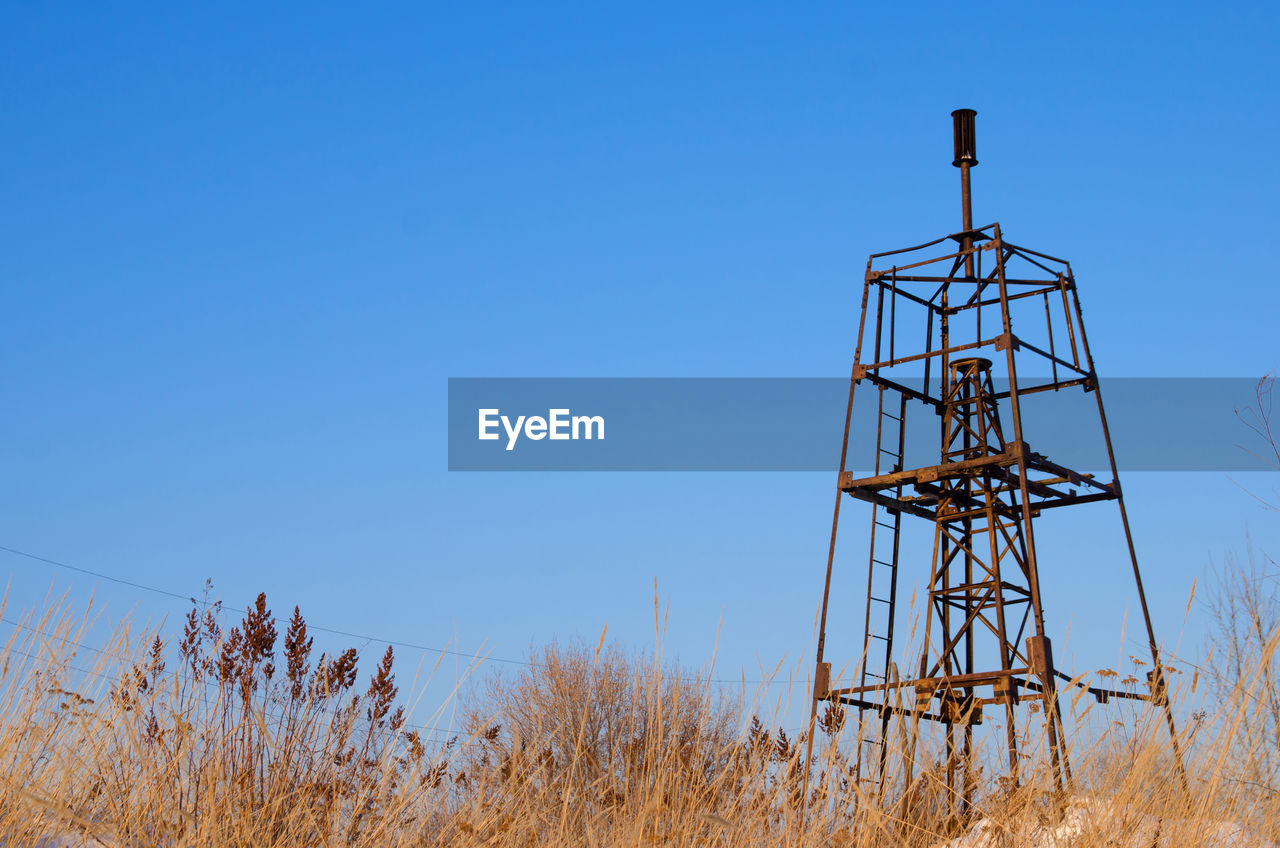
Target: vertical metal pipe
(1057, 746)
(966, 156)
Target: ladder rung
(891, 453)
(874, 598)
(881, 638)
(886, 526)
(882, 562)
(894, 417)
(873, 674)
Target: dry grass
(242, 736)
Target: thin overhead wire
(334, 631)
(110, 678)
(399, 643)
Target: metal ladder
(882, 588)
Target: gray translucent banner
(797, 424)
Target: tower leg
(966, 795)
(1157, 669)
(1011, 738)
(951, 768)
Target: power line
(97, 574)
(192, 599)
(209, 685)
(398, 643)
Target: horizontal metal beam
(903, 360)
(954, 681)
(1014, 453)
(891, 709)
(1052, 285)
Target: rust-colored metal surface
(936, 337)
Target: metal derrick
(937, 321)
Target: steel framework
(928, 312)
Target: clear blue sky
(244, 248)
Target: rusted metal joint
(925, 690)
(822, 681)
(1005, 689)
(1040, 658)
(962, 710)
(1005, 340)
(1159, 688)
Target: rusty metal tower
(953, 328)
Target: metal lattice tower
(985, 644)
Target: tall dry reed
(245, 736)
